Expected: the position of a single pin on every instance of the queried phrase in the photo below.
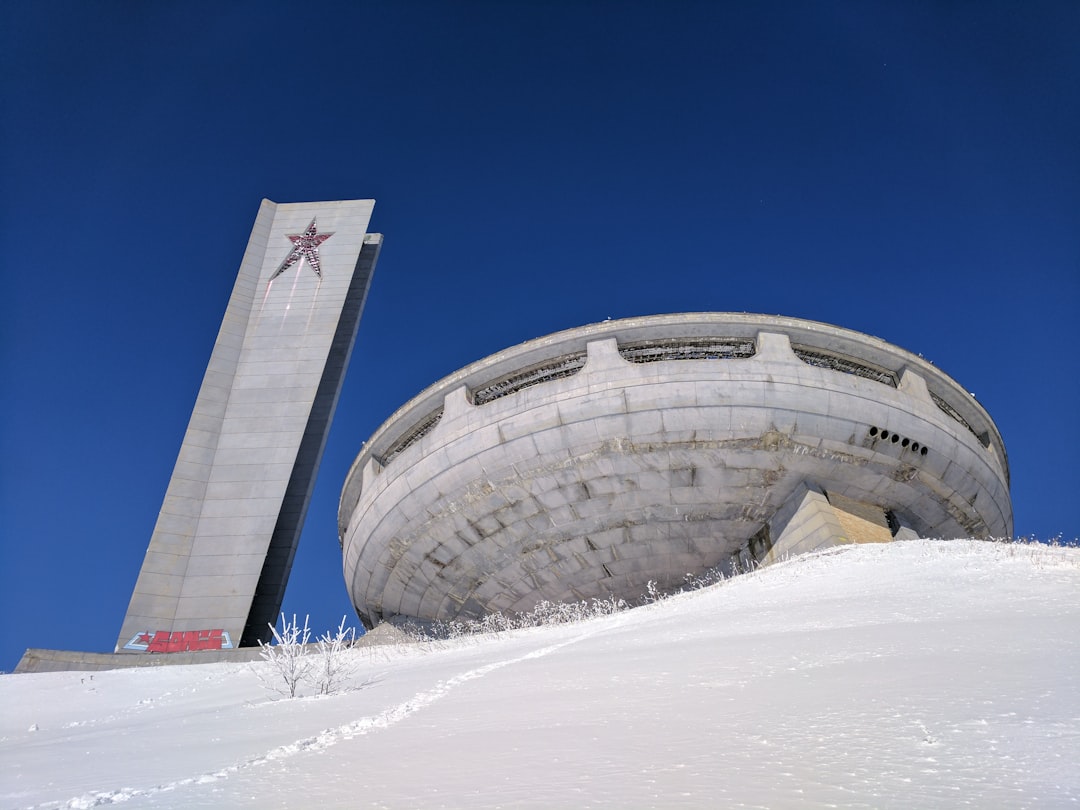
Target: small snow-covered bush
(326, 665)
(333, 667)
(287, 657)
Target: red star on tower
(305, 246)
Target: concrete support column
(905, 532)
(915, 385)
(371, 469)
(804, 523)
(603, 355)
(456, 404)
(775, 347)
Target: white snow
(912, 675)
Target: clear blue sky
(906, 169)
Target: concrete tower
(215, 572)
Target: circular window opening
(895, 438)
(873, 431)
(915, 447)
(884, 434)
(923, 451)
(905, 443)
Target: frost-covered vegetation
(547, 613)
(291, 661)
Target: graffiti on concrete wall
(165, 641)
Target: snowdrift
(910, 675)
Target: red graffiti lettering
(160, 642)
(185, 641)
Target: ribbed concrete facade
(592, 461)
(223, 545)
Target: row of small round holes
(903, 441)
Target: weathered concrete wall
(567, 468)
(862, 522)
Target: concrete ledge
(40, 660)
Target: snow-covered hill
(912, 675)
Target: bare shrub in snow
(695, 582)
(652, 593)
(334, 667)
(327, 665)
(288, 657)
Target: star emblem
(305, 246)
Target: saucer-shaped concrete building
(592, 461)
